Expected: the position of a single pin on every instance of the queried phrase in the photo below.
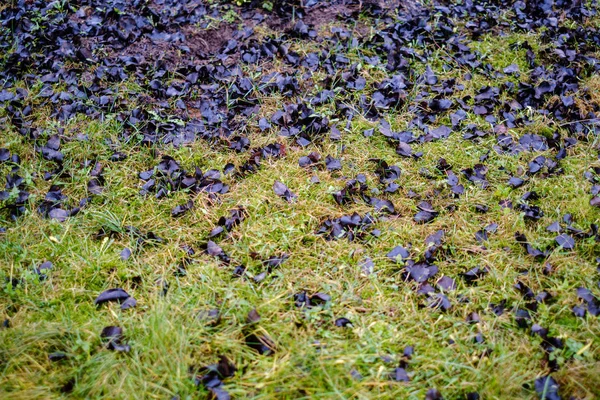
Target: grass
(313, 359)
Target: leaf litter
(200, 83)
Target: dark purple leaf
(332, 164)
(547, 388)
(398, 252)
(253, 316)
(262, 344)
(125, 254)
(343, 322)
(474, 274)
(57, 356)
(400, 375)
(565, 241)
(446, 283)
(367, 266)
(114, 336)
(128, 303)
(515, 182)
(404, 150)
(420, 272)
(511, 69)
(554, 227)
(59, 214)
(433, 394)
(117, 294)
(439, 301)
(283, 191)
(182, 209)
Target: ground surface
(265, 200)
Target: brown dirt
(202, 44)
(205, 43)
(208, 41)
(319, 16)
(315, 16)
(335, 11)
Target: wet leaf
(182, 209)
(343, 322)
(113, 335)
(565, 241)
(117, 294)
(253, 316)
(283, 191)
(547, 388)
(125, 254)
